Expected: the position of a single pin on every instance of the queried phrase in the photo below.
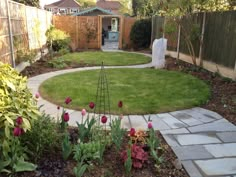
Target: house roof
(64, 3)
(86, 11)
(112, 5)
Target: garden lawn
(109, 58)
(143, 91)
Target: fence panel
(23, 22)
(220, 38)
(157, 27)
(128, 23)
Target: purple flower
(120, 104)
(68, 100)
(104, 119)
(19, 120)
(18, 131)
(91, 105)
(66, 116)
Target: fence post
(178, 41)
(201, 40)
(10, 35)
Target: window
(73, 10)
(62, 11)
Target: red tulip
(120, 104)
(19, 120)
(91, 105)
(149, 125)
(132, 132)
(68, 100)
(66, 117)
(58, 107)
(17, 131)
(104, 119)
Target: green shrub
(16, 103)
(58, 63)
(44, 130)
(140, 33)
(57, 39)
(25, 55)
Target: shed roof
(86, 11)
(112, 5)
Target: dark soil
(52, 165)
(223, 90)
(223, 96)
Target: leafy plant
(140, 33)
(66, 146)
(128, 161)
(117, 133)
(57, 63)
(153, 144)
(44, 130)
(57, 39)
(17, 110)
(25, 55)
(138, 156)
(138, 136)
(85, 128)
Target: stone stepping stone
(138, 122)
(194, 139)
(227, 137)
(217, 167)
(186, 118)
(217, 126)
(192, 152)
(171, 121)
(222, 150)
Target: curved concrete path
(204, 141)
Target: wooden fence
(23, 20)
(78, 28)
(219, 39)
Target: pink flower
(149, 125)
(83, 112)
(104, 119)
(91, 105)
(121, 116)
(18, 131)
(37, 95)
(68, 100)
(66, 117)
(19, 120)
(132, 132)
(120, 104)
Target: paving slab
(193, 139)
(170, 139)
(198, 115)
(175, 131)
(171, 121)
(224, 166)
(186, 118)
(157, 122)
(191, 169)
(138, 122)
(227, 137)
(191, 152)
(217, 126)
(222, 150)
(208, 113)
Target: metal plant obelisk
(102, 97)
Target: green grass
(143, 91)
(109, 58)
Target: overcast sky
(43, 2)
